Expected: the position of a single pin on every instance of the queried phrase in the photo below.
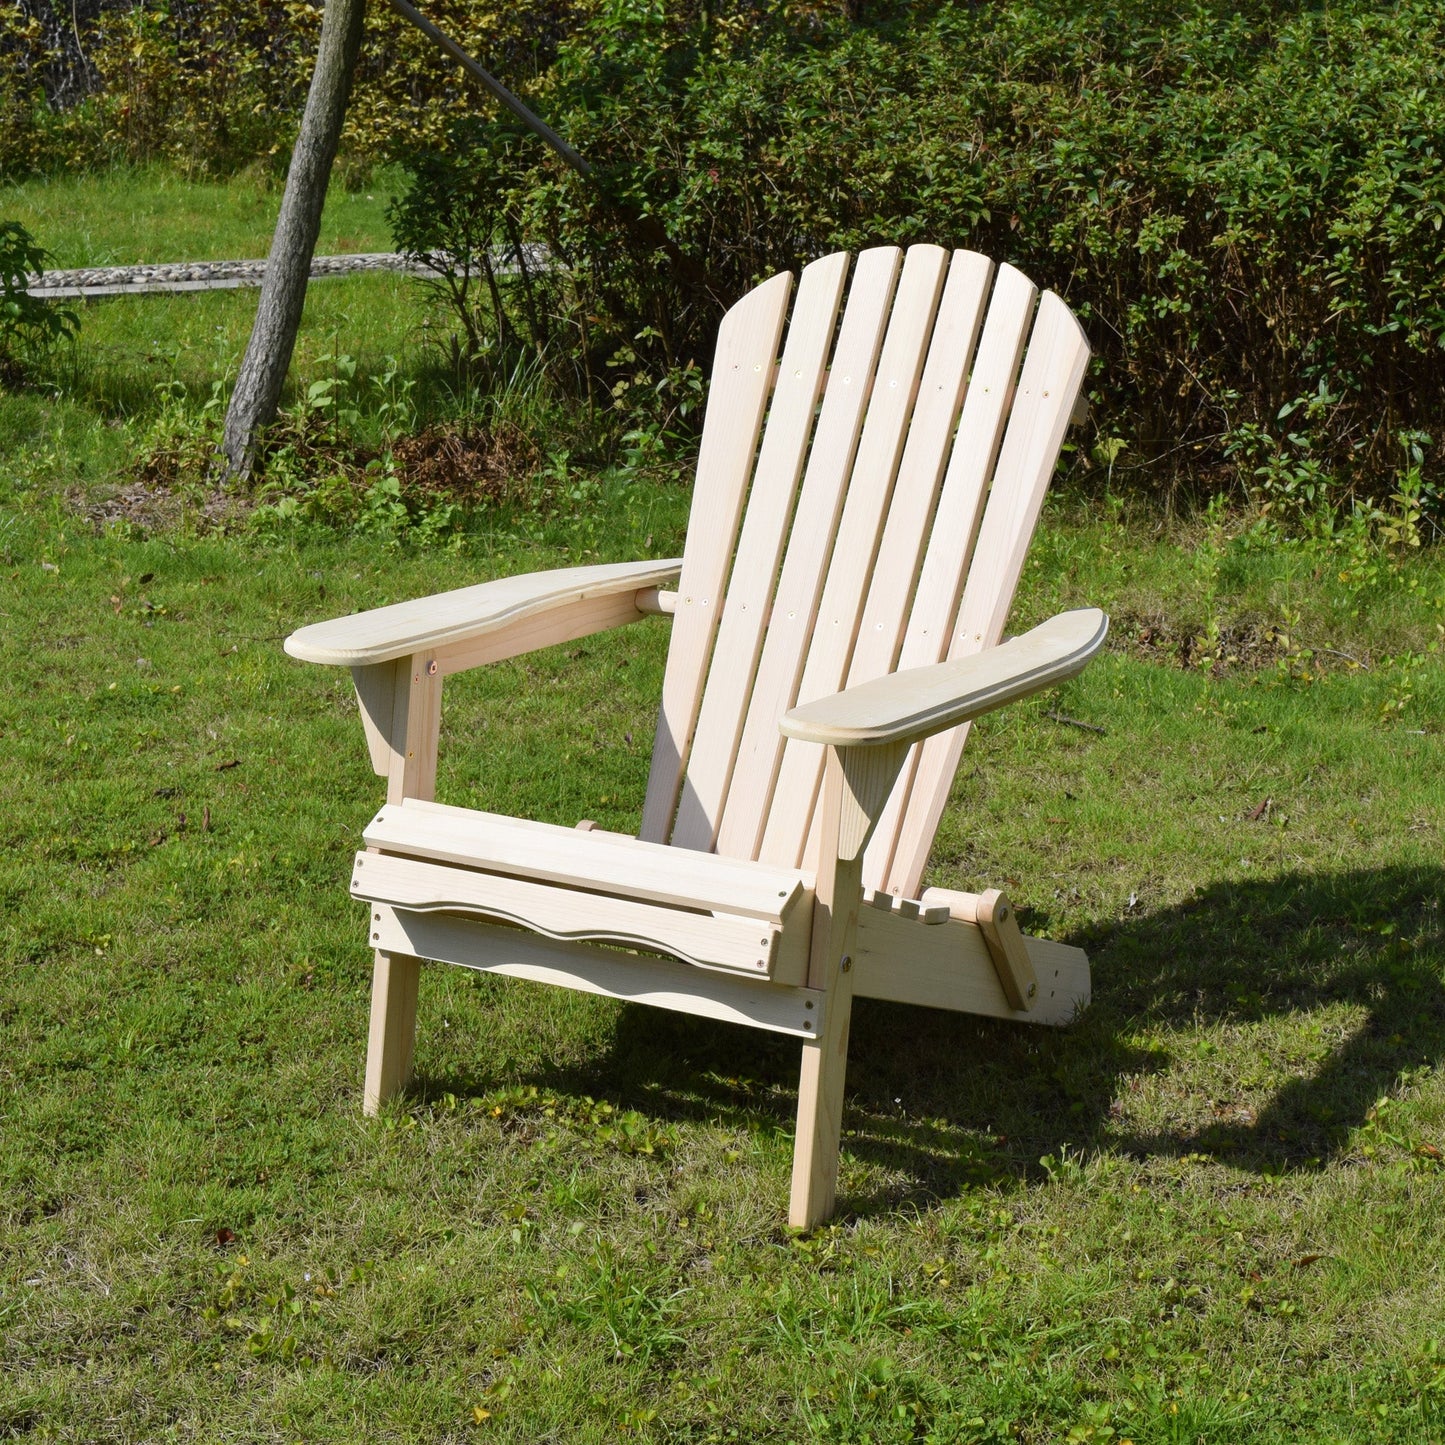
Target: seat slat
(1053, 371)
(875, 469)
(760, 548)
(742, 945)
(989, 392)
(743, 374)
(795, 606)
(598, 861)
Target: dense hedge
(218, 84)
(1245, 203)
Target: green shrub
(1245, 204)
(1245, 207)
(29, 327)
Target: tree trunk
(283, 294)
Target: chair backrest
(863, 503)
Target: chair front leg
(855, 788)
(409, 750)
(394, 979)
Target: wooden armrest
(453, 619)
(906, 706)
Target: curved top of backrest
(841, 487)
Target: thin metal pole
(489, 82)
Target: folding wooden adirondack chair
(863, 504)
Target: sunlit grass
(1208, 1212)
(132, 217)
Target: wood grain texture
(749, 946)
(1052, 374)
(824, 1068)
(950, 549)
(1000, 928)
(830, 648)
(905, 706)
(800, 585)
(391, 1040)
(625, 867)
(728, 998)
(376, 700)
(427, 624)
(949, 966)
(743, 373)
(760, 548)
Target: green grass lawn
(1210, 1211)
(131, 217)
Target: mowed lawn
(1209, 1211)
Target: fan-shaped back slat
(876, 566)
(955, 524)
(1053, 372)
(795, 606)
(906, 523)
(760, 549)
(742, 379)
(895, 389)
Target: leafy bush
(203, 82)
(1245, 204)
(29, 327)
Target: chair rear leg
(393, 1027)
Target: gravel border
(200, 275)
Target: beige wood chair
(866, 490)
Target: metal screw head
(847, 962)
(431, 668)
(1033, 989)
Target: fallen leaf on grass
(234, 763)
(1305, 1259)
(224, 1237)
(206, 818)
(1255, 814)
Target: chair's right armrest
(487, 622)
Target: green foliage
(29, 327)
(1246, 205)
(213, 85)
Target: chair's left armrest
(398, 655)
(906, 706)
(465, 626)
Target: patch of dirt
(149, 506)
(169, 483)
(1242, 644)
(470, 466)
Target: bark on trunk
(283, 294)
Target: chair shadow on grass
(943, 1102)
